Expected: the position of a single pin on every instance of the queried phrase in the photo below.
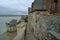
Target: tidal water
(4, 19)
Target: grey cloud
(10, 5)
(9, 11)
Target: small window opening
(55, 1)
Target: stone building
(39, 19)
(11, 26)
(53, 5)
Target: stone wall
(39, 23)
(52, 23)
(44, 24)
(49, 3)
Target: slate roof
(14, 21)
(39, 4)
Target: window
(54, 6)
(55, 1)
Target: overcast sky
(16, 4)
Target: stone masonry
(40, 22)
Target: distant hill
(10, 11)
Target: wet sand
(13, 35)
